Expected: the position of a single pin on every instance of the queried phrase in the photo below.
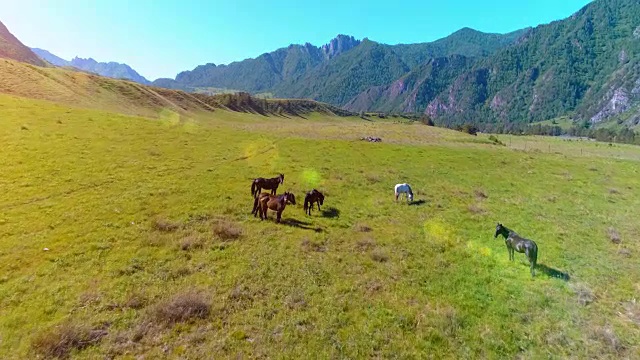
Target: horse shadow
(300, 225)
(331, 213)
(551, 272)
(417, 203)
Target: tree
(426, 119)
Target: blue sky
(161, 38)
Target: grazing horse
(313, 196)
(517, 243)
(270, 184)
(404, 189)
(267, 201)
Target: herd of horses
(264, 201)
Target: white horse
(404, 189)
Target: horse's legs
(397, 196)
(319, 206)
(531, 266)
(256, 204)
(279, 216)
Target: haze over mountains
(109, 69)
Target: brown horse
(266, 201)
(270, 184)
(313, 196)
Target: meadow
(151, 248)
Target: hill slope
(12, 48)
(96, 92)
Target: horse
(517, 243)
(404, 189)
(270, 184)
(266, 201)
(313, 196)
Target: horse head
(281, 176)
(410, 196)
(500, 229)
(321, 198)
(290, 197)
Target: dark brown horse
(313, 196)
(517, 243)
(269, 184)
(266, 201)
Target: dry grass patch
(365, 244)
(614, 236)
(164, 225)
(60, 341)
(309, 245)
(608, 338)
(184, 307)
(227, 231)
(476, 209)
(192, 242)
(584, 294)
(379, 256)
(362, 228)
(135, 301)
(480, 194)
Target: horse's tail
(253, 188)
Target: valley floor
(151, 248)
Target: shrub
(182, 308)
(227, 231)
(60, 341)
(379, 256)
(164, 225)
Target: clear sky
(160, 38)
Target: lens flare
(169, 117)
(262, 153)
(310, 178)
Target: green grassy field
(152, 249)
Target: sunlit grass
(136, 213)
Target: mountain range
(109, 69)
(585, 67)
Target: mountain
(586, 66)
(337, 71)
(50, 58)
(12, 48)
(110, 69)
(420, 86)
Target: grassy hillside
(85, 90)
(152, 250)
